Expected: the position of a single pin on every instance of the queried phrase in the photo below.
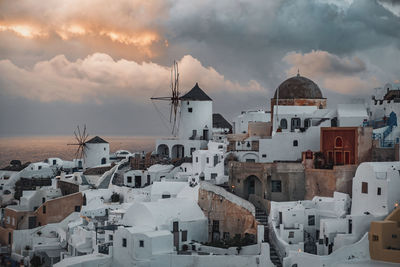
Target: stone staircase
(262, 218)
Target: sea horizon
(35, 148)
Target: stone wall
(323, 182)
(57, 209)
(234, 218)
(67, 188)
(290, 175)
(4, 236)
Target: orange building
(384, 238)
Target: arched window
(338, 142)
(283, 123)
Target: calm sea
(38, 148)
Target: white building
(241, 122)
(296, 225)
(195, 126)
(182, 216)
(208, 164)
(97, 152)
(376, 192)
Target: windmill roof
(97, 140)
(196, 94)
(220, 122)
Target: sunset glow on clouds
(106, 52)
(98, 77)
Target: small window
(44, 209)
(165, 196)
(77, 208)
(394, 236)
(283, 123)
(43, 200)
(190, 110)
(129, 179)
(40, 167)
(295, 143)
(124, 242)
(184, 236)
(208, 160)
(379, 191)
(291, 234)
(311, 220)
(141, 243)
(364, 187)
(54, 162)
(375, 238)
(175, 227)
(338, 142)
(214, 176)
(110, 237)
(264, 155)
(197, 159)
(104, 149)
(276, 186)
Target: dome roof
(298, 87)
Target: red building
(340, 145)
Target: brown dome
(298, 87)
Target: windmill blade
(170, 113)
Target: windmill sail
(173, 99)
(81, 138)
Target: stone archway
(163, 150)
(252, 186)
(178, 151)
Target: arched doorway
(252, 186)
(163, 150)
(178, 151)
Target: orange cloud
(129, 22)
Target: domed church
(298, 91)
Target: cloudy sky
(69, 62)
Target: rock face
(227, 218)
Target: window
(40, 167)
(43, 200)
(213, 176)
(291, 234)
(338, 142)
(165, 196)
(307, 123)
(197, 159)
(190, 110)
(311, 220)
(364, 187)
(54, 162)
(124, 242)
(184, 236)
(276, 186)
(104, 149)
(283, 123)
(295, 143)
(379, 191)
(77, 208)
(175, 227)
(110, 237)
(44, 209)
(264, 155)
(250, 160)
(226, 235)
(295, 124)
(141, 243)
(375, 238)
(208, 160)
(215, 226)
(394, 236)
(129, 179)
